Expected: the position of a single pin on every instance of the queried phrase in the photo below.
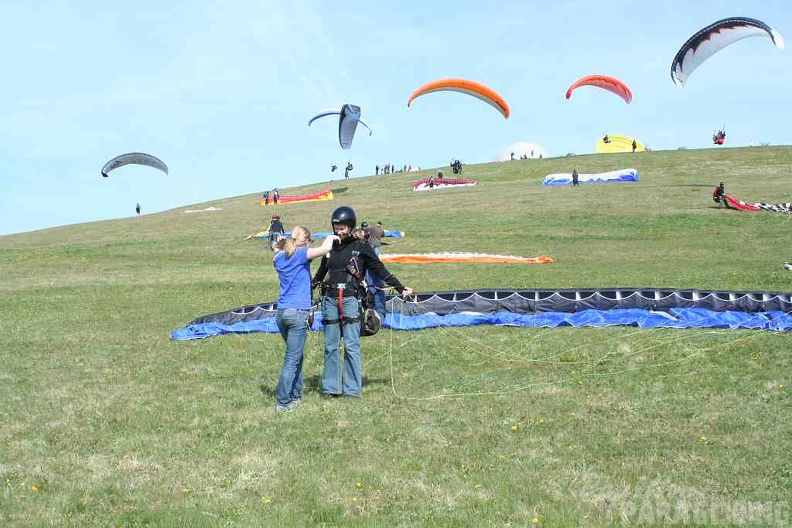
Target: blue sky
(222, 91)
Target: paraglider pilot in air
(341, 275)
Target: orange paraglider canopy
(473, 88)
(611, 84)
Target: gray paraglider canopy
(133, 158)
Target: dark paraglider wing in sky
(134, 158)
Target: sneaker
(788, 266)
(298, 401)
(284, 408)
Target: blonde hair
(299, 236)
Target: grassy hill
(105, 421)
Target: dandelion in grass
(535, 520)
(358, 485)
(266, 500)
(703, 439)
(34, 488)
(355, 500)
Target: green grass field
(105, 421)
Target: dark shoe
(329, 395)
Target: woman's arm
(322, 250)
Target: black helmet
(344, 215)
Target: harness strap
(346, 319)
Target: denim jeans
(293, 326)
(342, 373)
(376, 285)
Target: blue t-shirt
(294, 275)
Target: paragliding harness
(356, 286)
(719, 137)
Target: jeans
(376, 284)
(342, 374)
(293, 326)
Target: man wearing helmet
(341, 274)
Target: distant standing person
(634, 146)
(575, 177)
(276, 231)
(293, 264)
(275, 196)
(137, 209)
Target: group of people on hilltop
(524, 156)
(456, 166)
(349, 275)
(273, 195)
(389, 168)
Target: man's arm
(320, 273)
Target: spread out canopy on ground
(441, 183)
(536, 308)
(733, 203)
(133, 158)
(470, 258)
(713, 38)
(611, 84)
(318, 196)
(617, 143)
(478, 90)
(617, 176)
(349, 117)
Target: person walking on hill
(276, 231)
(137, 209)
(575, 177)
(292, 262)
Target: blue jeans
(293, 326)
(376, 285)
(342, 374)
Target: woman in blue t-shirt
(292, 261)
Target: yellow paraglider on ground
(611, 143)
